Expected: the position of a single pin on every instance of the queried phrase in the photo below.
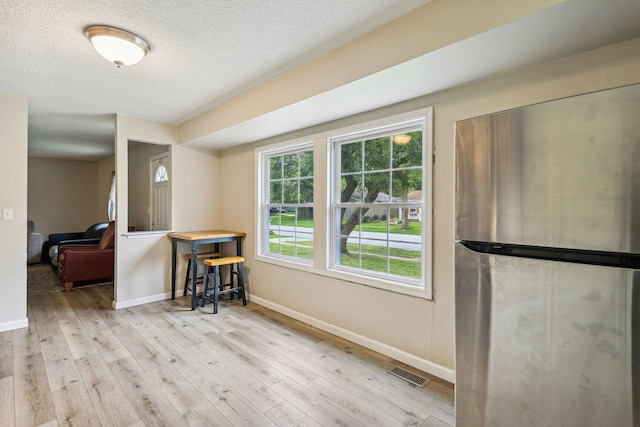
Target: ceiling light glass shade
(118, 46)
(401, 139)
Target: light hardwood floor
(80, 363)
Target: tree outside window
(378, 227)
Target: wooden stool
(187, 278)
(213, 274)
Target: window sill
(356, 279)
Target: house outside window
(355, 204)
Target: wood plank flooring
(80, 363)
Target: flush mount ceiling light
(401, 139)
(118, 46)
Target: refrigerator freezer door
(545, 343)
(564, 173)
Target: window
(161, 174)
(365, 218)
(287, 208)
(378, 178)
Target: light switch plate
(7, 214)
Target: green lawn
(288, 219)
(397, 267)
(303, 249)
(401, 263)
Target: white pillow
(53, 253)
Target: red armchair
(87, 262)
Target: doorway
(160, 192)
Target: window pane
(306, 190)
(274, 217)
(275, 244)
(275, 192)
(275, 167)
(405, 260)
(405, 182)
(409, 154)
(376, 154)
(161, 174)
(290, 191)
(294, 237)
(305, 218)
(304, 233)
(351, 157)
(304, 246)
(376, 184)
(290, 165)
(351, 188)
(306, 163)
(350, 219)
(379, 245)
(378, 219)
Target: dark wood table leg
(194, 273)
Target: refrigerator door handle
(579, 256)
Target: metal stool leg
(241, 285)
(231, 274)
(216, 288)
(205, 289)
(186, 279)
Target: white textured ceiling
(205, 52)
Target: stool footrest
(229, 291)
(205, 255)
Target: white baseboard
(16, 324)
(139, 301)
(397, 354)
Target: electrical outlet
(7, 214)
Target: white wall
(13, 195)
(411, 329)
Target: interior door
(160, 192)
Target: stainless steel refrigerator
(547, 264)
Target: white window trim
(322, 201)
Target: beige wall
(143, 259)
(13, 195)
(434, 25)
(62, 195)
(415, 330)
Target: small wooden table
(196, 238)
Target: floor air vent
(408, 376)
